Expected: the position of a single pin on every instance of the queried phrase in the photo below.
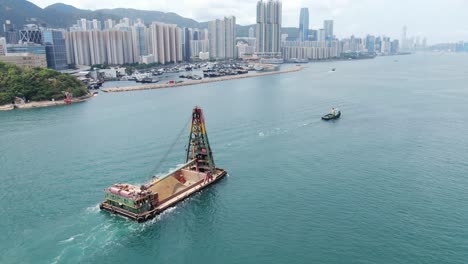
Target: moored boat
(141, 203)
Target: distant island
(36, 84)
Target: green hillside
(36, 84)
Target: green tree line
(36, 84)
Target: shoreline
(193, 82)
(40, 104)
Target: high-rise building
(56, 53)
(268, 29)
(395, 47)
(221, 36)
(119, 46)
(186, 37)
(370, 43)
(140, 43)
(321, 35)
(313, 35)
(166, 43)
(11, 34)
(3, 47)
(328, 28)
(304, 24)
(126, 21)
(109, 24)
(251, 32)
(97, 47)
(403, 41)
(30, 34)
(96, 24)
(78, 51)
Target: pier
(193, 82)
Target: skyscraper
(269, 26)
(56, 53)
(166, 43)
(370, 43)
(3, 48)
(31, 34)
(11, 34)
(139, 35)
(328, 28)
(403, 42)
(304, 25)
(221, 37)
(251, 32)
(109, 24)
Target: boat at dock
(141, 203)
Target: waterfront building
(328, 30)
(26, 59)
(309, 50)
(56, 54)
(268, 28)
(26, 48)
(304, 24)
(221, 37)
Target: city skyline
(351, 17)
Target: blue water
(387, 183)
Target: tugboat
(334, 114)
(144, 202)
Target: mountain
(59, 15)
(150, 16)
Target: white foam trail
(71, 238)
(92, 209)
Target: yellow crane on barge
(141, 203)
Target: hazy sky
(438, 20)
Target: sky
(437, 20)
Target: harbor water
(386, 183)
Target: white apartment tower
(268, 31)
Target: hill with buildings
(36, 84)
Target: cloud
(380, 17)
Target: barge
(142, 203)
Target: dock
(193, 82)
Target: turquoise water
(387, 183)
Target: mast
(198, 145)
